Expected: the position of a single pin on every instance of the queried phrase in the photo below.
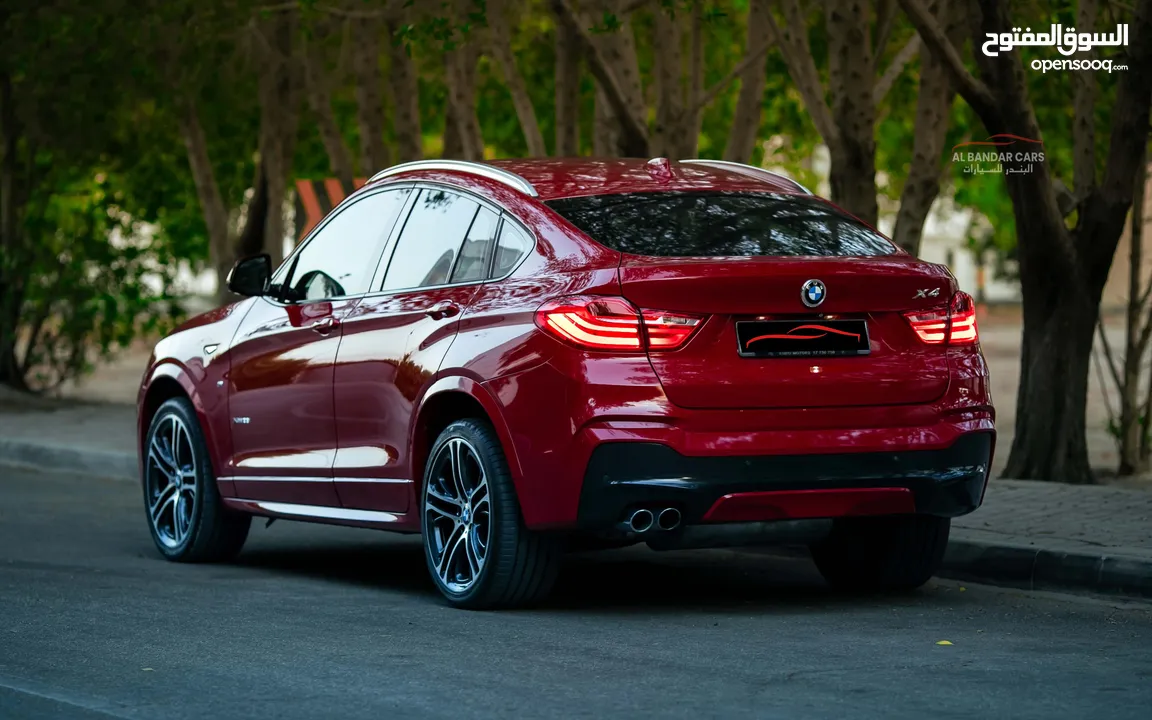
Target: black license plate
(802, 338)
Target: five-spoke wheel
(458, 514)
(187, 519)
(170, 481)
(479, 553)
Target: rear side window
(426, 251)
(514, 244)
(473, 263)
(720, 224)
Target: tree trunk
(1131, 432)
(668, 63)
(693, 121)
(369, 98)
(460, 76)
(279, 111)
(613, 63)
(251, 238)
(522, 102)
(11, 287)
(320, 101)
(851, 76)
(405, 99)
(1050, 439)
(746, 120)
(605, 127)
(933, 107)
(208, 192)
(567, 85)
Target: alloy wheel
(457, 515)
(170, 477)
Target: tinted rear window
(702, 224)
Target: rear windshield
(701, 224)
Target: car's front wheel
(188, 521)
(882, 553)
(479, 552)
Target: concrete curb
(1018, 563)
(971, 555)
(101, 463)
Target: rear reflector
(956, 324)
(612, 323)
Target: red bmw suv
(522, 357)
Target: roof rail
(746, 170)
(510, 179)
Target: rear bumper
(622, 476)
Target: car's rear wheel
(479, 552)
(188, 521)
(885, 553)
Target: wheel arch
(169, 380)
(447, 400)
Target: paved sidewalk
(1027, 534)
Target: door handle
(324, 325)
(441, 310)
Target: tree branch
(974, 91)
(892, 72)
(885, 20)
(757, 54)
(1112, 368)
(635, 130)
(797, 53)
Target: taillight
(612, 323)
(956, 324)
(667, 331)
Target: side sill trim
(314, 511)
(299, 478)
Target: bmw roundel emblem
(812, 293)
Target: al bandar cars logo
(1000, 154)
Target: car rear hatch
(760, 344)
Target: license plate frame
(802, 338)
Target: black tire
(210, 531)
(519, 566)
(884, 553)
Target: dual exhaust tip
(643, 520)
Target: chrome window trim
(483, 170)
(398, 230)
(355, 197)
(745, 169)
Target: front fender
(210, 400)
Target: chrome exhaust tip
(669, 519)
(640, 520)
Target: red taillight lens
(957, 324)
(963, 320)
(613, 323)
(668, 331)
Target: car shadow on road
(617, 581)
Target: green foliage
(95, 278)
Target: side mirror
(250, 276)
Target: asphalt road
(317, 622)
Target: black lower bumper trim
(623, 476)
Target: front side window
(718, 224)
(432, 236)
(340, 259)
